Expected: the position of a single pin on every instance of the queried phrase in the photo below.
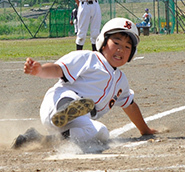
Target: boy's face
(117, 50)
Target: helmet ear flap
(104, 42)
(133, 52)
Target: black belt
(93, 112)
(88, 2)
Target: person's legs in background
(95, 23)
(83, 16)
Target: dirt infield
(159, 84)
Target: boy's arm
(77, 2)
(136, 117)
(48, 70)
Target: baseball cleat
(73, 110)
(30, 135)
(20, 140)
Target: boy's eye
(128, 47)
(116, 43)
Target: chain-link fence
(39, 19)
(162, 11)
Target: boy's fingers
(27, 69)
(28, 65)
(29, 61)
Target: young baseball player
(147, 17)
(89, 14)
(90, 84)
(73, 20)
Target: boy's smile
(117, 50)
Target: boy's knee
(103, 134)
(94, 35)
(80, 40)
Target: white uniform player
(83, 71)
(73, 20)
(89, 13)
(90, 85)
(90, 75)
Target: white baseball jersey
(88, 14)
(149, 15)
(91, 76)
(88, 75)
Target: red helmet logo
(128, 25)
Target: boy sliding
(89, 85)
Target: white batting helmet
(117, 25)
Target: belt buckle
(89, 2)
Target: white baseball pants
(88, 14)
(81, 129)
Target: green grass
(36, 48)
(55, 48)
(161, 43)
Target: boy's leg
(84, 129)
(31, 135)
(69, 109)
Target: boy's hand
(150, 132)
(136, 117)
(71, 22)
(32, 67)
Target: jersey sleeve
(126, 101)
(73, 65)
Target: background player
(73, 20)
(147, 16)
(90, 84)
(89, 13)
